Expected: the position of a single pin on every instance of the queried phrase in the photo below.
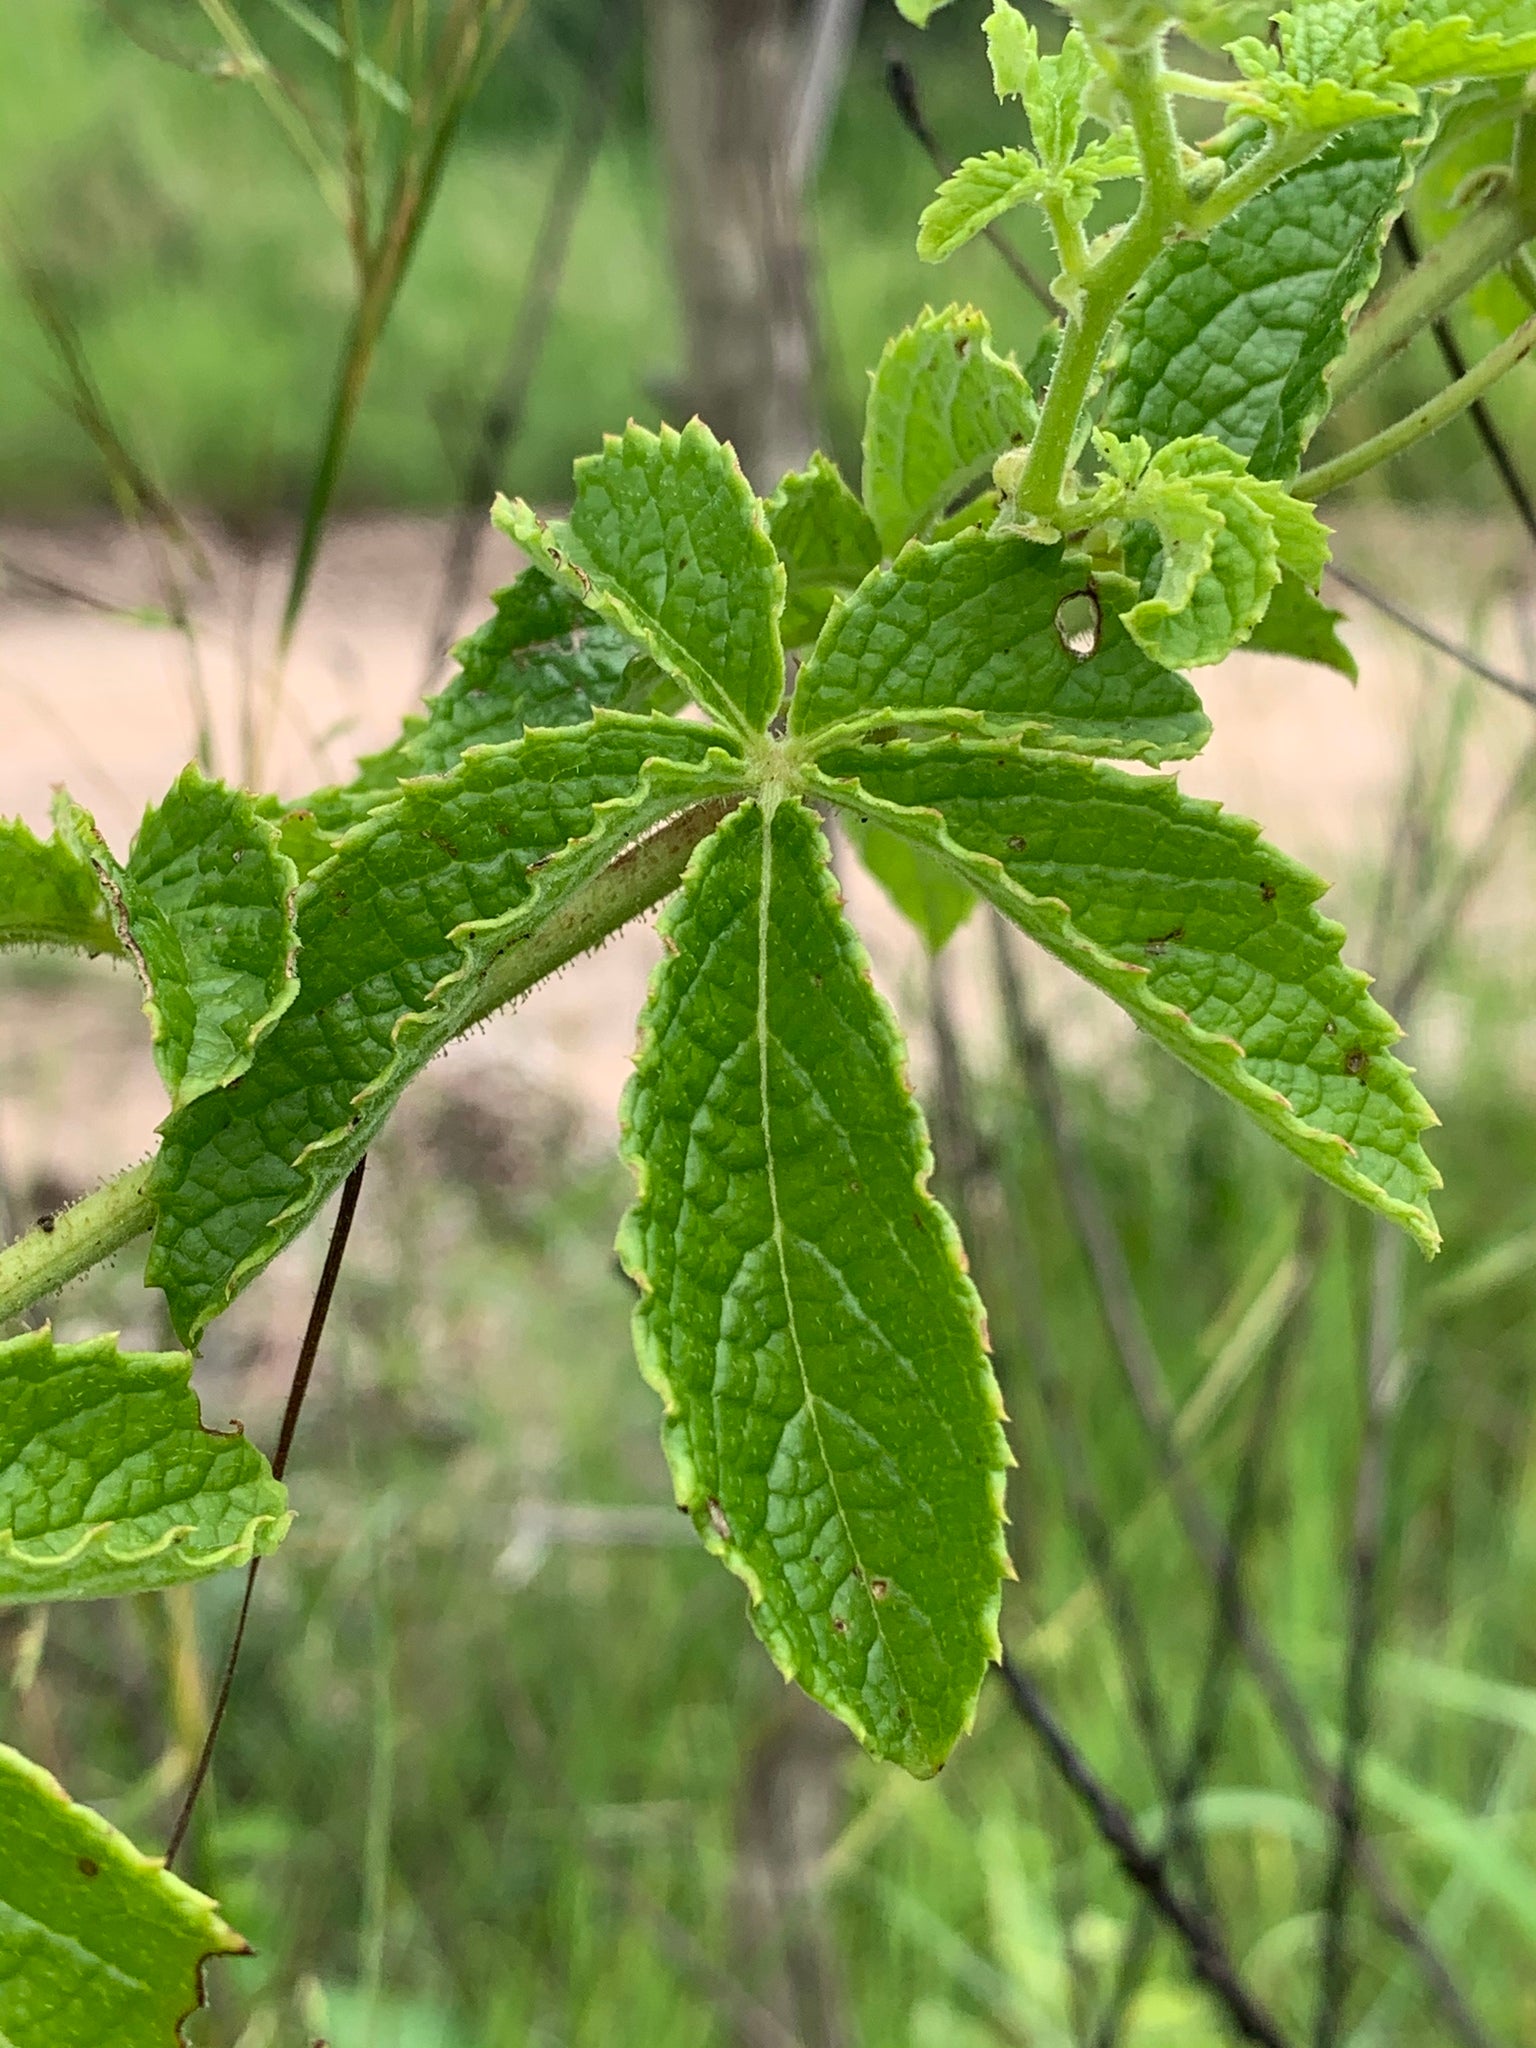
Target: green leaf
(1441, 40)
(100, 1947)
(1224, 534)
(397, 930)
(1347, 60)
(832, 1422)
(541, 659)
(930, 896)
(826, 541)
(1208, 937)
(965, 631)
(920, 11)
(205, 910)
(1301, 625)
(943, 406)
(1234, 336)
(110, 1484)
(667, 542)
(977, 192)
(49, 895)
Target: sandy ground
(94, 698)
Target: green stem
(1483, 243)
(49, 1255)
(1107, 283)
(62, 1247)
(1429, 418)
(1280, 153)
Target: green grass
(555, 1775)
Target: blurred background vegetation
(505, 1765)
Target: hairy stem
(61, 1248)
(1485, 242)
(1427, 419)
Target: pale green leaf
(1443, 40)
(826, 541)
(666, 541)
(398, 929)
(1234, 335)
(967, 632)
(100, 1946)
(977, 192)
(204, 907)
(110, 1484)
(1224, 536)
(920, 11)
(1208, 937)
(943, 405)
(1297, 624)
(49, 895)
(832, 1422)
(930, 896)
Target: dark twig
(1214, 1691)
(1094, 1530)
(1149, 1390)
(502, 418)
(902, 87)
(303, 1371)
(1431, 636)
(1144, 1867)
(1494, 445)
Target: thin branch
(1494, 445)
(1214, 1691)
(1431, 636)
(902, 87)
(303, 1371)
(1144, 1867)
(1149, 1389)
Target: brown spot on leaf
(718, 1521)
(1161, 945)
(878, 1588)
(1357, 1061)
(839, 1625)
(1267, 891)
(88, 1866)
(1017, 843)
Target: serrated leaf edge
(687, 1488)
(1327, 1153)
(434, 1024)
(116, 1847)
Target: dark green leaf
(826, 541)
(205, 910)
(397, 931)
(1234, 336)
(831, 1418)
(1301, 625)
(1207, 936)
(110, 1484)
(967, 631)
(667, 542)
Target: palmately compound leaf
(1297, 624)
(397, 930)
(1235, 335)
(943, 405)
(929, 895)
(826, 541)
(204, 907)
(971, 631)
(540, 659)
(100, 1946)
(832, 1422)
(110, 1484)
(666, 541)
(1206, 935)
(49, 895)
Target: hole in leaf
(1078, 619)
